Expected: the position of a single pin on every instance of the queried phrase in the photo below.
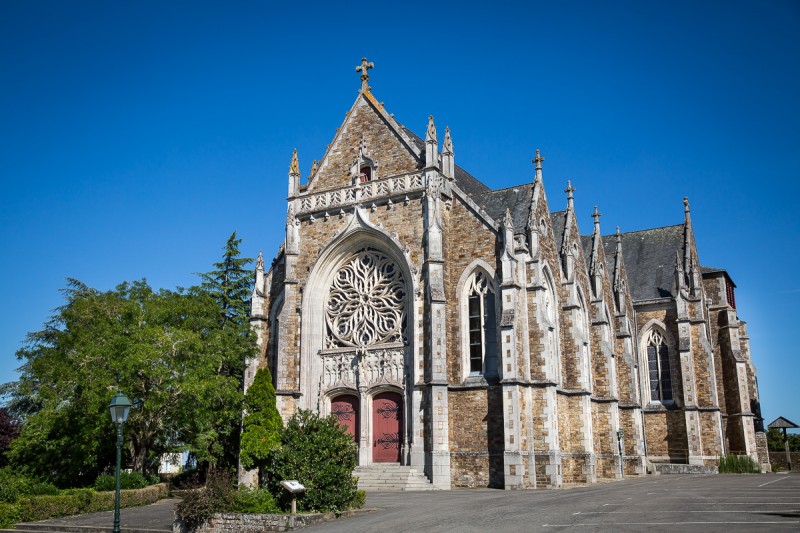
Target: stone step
(391, 477)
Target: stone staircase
(385, 477)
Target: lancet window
(366, 302)
(481, 322)
(658, 367)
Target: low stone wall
(252, 523)
(779, 459)
(671, 468)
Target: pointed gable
(388, 145)
(650, 260)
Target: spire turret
(448, 156)
(619, 280)
(596, 265)
(431, 145)
(294, 175)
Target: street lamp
(119, 407)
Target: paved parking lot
(768, 502)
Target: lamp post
(119, 408)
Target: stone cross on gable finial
(596, 215)
(569, 190)
(538, 159)
(363, 68)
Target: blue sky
(135, 137)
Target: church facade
(479, 336)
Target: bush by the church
(738, 464)
(320, 454)
(215, 497)
(254, 500)
(127, 480)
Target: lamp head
(119, 408)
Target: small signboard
(293, 486)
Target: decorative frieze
(391, 186)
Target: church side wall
(476, 415)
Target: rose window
(366, 302)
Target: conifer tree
(262, 424)
(231, 283)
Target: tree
(262, 424)
(163, 347)
(320, 454)
(230, 285)
(775, 441)
(9, 430)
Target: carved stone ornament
(366, 303)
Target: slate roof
(649, 260)
(558, 221)
(517, 199)
(465, 181)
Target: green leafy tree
(775, 441)
(262, 424)
(163, 347)
(320, 454)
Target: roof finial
(447, 147)
(596, 216)
(569, 190)
(430, 134)
(260, 261)
(685, 204)
(618, 235)
(363, 68)
(294, 168)
(538, 160)
(314, 167)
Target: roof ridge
(641, 230)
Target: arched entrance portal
(387, 427)
(345, 409)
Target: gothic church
(479, 337)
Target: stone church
(480, 336)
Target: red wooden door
(345, 408)
(387, 424)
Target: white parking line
(773, 481)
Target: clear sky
(136, 136)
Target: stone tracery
(366, 304)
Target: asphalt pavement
(684, 503)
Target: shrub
(201, 504)
(738, 464)
(260, 501)
(261, 426)
(14, 486)
(189, 479)
(360, 499)
(127, 480)
(321, 455)
(9, 513)
(76, 501)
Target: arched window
(550, 315)
(365, 174)
(658, 367)
(583, 343)
(481, 323)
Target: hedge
(76, 501)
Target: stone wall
(779, 459)
(252, 523)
